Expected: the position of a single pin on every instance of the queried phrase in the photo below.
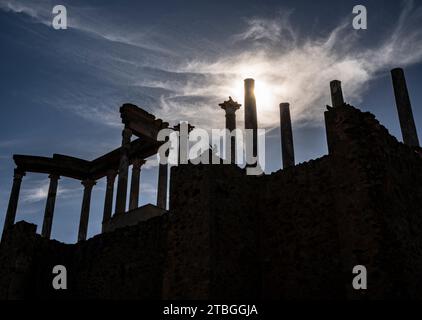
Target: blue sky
(61, 89)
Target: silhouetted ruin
(293, 234)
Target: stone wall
(127, 264)
(214, 234)
(294, 234)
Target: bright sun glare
(268, 96)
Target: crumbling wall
(385, 234)
(127, 264)
(213, 235)
(16, 251)
(294, 234)
(299, 234)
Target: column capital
(18, 174)
(138, 163)
(88, 183)
(111, 174)
(54, 176)
(230, 106)
(126, 133)
(189, 127)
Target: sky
(61, 89)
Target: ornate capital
(230, 106)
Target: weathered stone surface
(404, 108)
(230, 107)
(294, 234)
(336, 93)
(86, 205)
(162, 186)
(108, 200)
(251, 118)
(287, 147)
(49, 207)
(122, 180)
(13, 201)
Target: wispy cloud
(84, 18)
(298, 69)
(36, 190)
(148, 188)
(23, 7)
(287, 65)
(273, 30)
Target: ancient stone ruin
(294, 234)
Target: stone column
(162, 186)
(287, 147)
(49, 207)
(336, 93)
(13, 200)
(404, 108)
(184, 128)
(86, 203)
(108, 201)
(134, 185)
(123, 172)
(231, 107)
(251, 120)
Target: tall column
(336, 93)
(184, 128)
(251, 120)
(86, 203)
(134, 185)
(231, 107)
(404, 108)
(49, 207)
(108, 201)
(162, 186)
(13, 200)
(123, 172)
(286, 136)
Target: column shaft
(86, 203)
(49, 207)
(230, 120)
(336, 93)
(134, 185)
(404, 108)
(230, 107)
(251, 120)
(162, 186)
(231, 126)
(13, 200)
(108, 201)
(287, 148)
(123, 172)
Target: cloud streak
(287, 65)
(298, 70)
(37, 190)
